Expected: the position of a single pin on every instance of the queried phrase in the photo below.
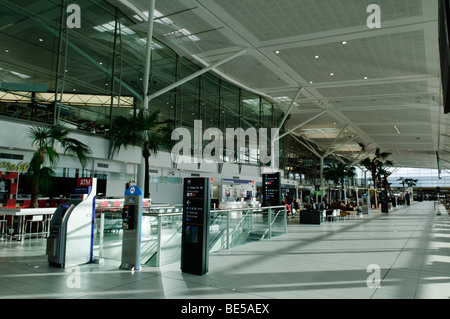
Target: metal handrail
(164, 214)
(229, 233)
(251, 209)
(263, 210)
(247, 208)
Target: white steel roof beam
(194, 75)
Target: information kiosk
(132, 221)
(70, 241)
(194, 242)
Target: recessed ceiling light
(331, 73)
(101, 63)
(310, 82)
(344, 42)
(365, 78)
(6, 50)
(277, 52)
(41, 40)
(316, 57)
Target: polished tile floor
(404, 254)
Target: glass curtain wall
(425, 177)
(86, 76)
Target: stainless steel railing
(162, 229)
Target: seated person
(288, 207)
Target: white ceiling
(397, 108)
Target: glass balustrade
(162, 229)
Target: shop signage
(20, 167)
(84, 182)
(237, 181)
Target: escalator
(224, 232)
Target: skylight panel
(285, 99)
(158, 16)
(183, 33)
(110, 27)
(155, 46)
(20, 75)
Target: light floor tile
(334, 260)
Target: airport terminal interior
(207, 149)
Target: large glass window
(86, 76)
(28, 27)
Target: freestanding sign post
(271, 189)
(194, 242)
(365, 203)
(384, 202)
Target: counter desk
(21, 213)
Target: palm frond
(58, 133)
(46, 178)
(81, 150)
(38, 135)
(34, 167)
(52, 155)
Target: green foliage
(338, 173)
(143, 131)
(377, 166)
(410, 182)
(44, 139)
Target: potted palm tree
(334, 172)
(339, 173)
(46, 139)
(144, 131)
(376, 165)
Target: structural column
(146, 79)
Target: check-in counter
(233, 205)
(238, 205)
